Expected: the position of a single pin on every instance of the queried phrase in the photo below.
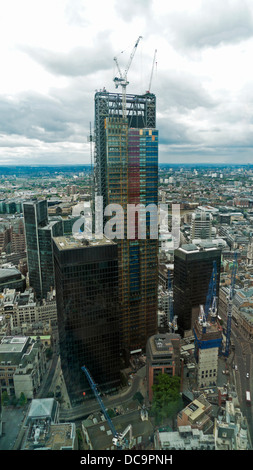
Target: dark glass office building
(39, 232)
(86, 275)
(35, 216)
(193, 267)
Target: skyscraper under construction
(126, 172)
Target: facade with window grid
(127, 173)
(86, 276)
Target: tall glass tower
(126, 173)
(86, 278)
(39, 232)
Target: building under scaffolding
(208, 341)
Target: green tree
(22, 399)
(5, 399)
(166, 397)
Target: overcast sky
(55, 53)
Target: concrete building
(23, 311)
(231, 430)
(242, 310)
(185, 438)
(208, 342)
(22, 365)
(43, 430)
(201, 226)
(198, 415)
(162, 356)
(98, 435)
(250, 253)
(44, 436)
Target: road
(91, 406)
(243, 360)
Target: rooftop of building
(13, 297)
(101, 436)
(196, 409)
(50, 436)
(70, 242)
(162, 343)
(9, 272)
(202, 246)
(211, 330)
(13, 344)
(42, 408)
(186, 438)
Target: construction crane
(211, 299)
(90, 139)
(230, 305)
(118, 439)
(172, 323)
(152, 71)
(123, 78)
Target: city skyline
(55, 55)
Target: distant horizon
(46, 165)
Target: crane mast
(230, 305)
(118, 438)
(123, 78)
(211, 301)
(211, 298)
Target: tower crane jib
(152, 71)
(123, 78)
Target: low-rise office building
(162, 356)
(43, 431)
(22, 365)
(22, 308)
(137, 428)
(185, 438)
(197, 415)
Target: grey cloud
(128, 10)
(80, 61)
(172, 132)
(38, 117)
(183, 92)
(215, 23)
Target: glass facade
(127, 173)
(35, 216)
(192, 273)
(39, 230)
(88, 313)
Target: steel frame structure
(140, 113)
